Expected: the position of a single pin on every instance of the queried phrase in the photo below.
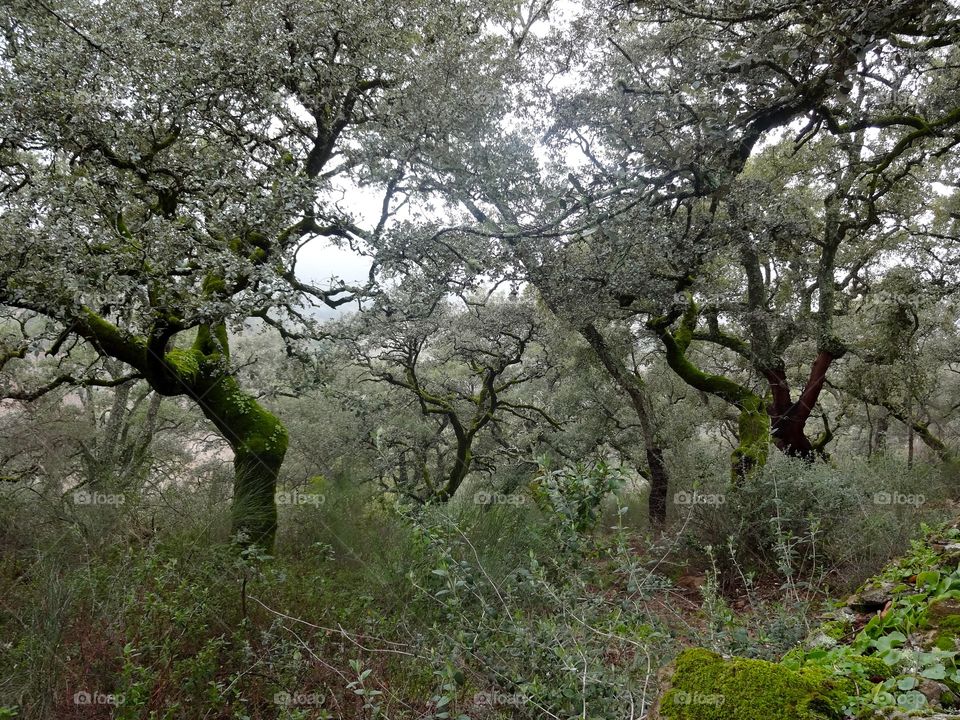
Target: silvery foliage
(147, 147)
(636, 122)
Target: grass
(465, 611)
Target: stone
(871, 600)
(932, 691)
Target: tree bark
(202, 372)
(461, 464)
(789, 420)
(635, 389)
(259, 442)
(754, 421)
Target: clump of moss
(836, 629)
(186, 363)
(941, 615)
(874, 668)
(945, 641)
(705, 686)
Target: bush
(845, 518)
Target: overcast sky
(319, 261)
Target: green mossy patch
(705, 686)
(836, 629)
(859, 663)
(874, 668)
(754, 432)
(187, 364)
(945, 641)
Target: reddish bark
(788, 420)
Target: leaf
(907, 683)
(891, 657)
(892, 640)
(912, 700)
(934, 672)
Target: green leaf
(934, 672)
(907, 683)
(892, 640)
(912, 700)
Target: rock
(932, 691)
(940, 609)
(702, 685)
(821, 641)
(692, 582)
(871, 600)
(950, 552)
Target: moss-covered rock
(705, 686)
(873, 667)
(837, 629)
(943, 615)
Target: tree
(464, 368)
(162, 166)
(665, 107)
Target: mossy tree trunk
(259, 442)
(753, 427)
(463, 458)
(202, 372)
(754, 420)
(258, 439)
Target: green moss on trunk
(258, 439)
(754, 434)
(259, 443)
(754, 422)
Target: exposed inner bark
(789, 419)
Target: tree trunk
(754, 435)
(790, 420)
(635, 388)
(259, 442)
(257, 438)
(880, 435)
(659, 483)
(461, 465)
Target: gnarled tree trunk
(789, 419)
(259, 442)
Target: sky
(320, 261)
